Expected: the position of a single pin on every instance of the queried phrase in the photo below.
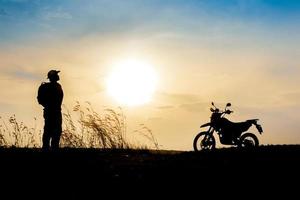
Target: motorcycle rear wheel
(248, 140)
(204, 141)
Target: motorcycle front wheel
(248, 140)
(204, 141)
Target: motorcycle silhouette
(230, 133)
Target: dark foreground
(92, 168)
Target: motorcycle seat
(238, 126)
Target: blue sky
(23, 20)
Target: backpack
(42, 94)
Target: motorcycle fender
(204, 125)
(259, 128)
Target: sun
(132, 82)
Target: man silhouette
(50, 96)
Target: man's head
(53, 75)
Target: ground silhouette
(140, 165)
(90, 169)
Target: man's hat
(52, 73)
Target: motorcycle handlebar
(218, 111)
(228, 111)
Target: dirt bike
(229, 133)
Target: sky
(240, 51)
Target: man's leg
(57, 130)
(47, 130)
(46, 137)
(55, 141)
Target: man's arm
(61, 95)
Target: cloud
(24, 75)
(291, 98)
(56, 14)
(188, 102)
(165, 107)
(169, 101)
(178, 98)
(281, 71)
(155, 119)
(194, 107)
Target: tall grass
(94, 130)
(82, 128)
(15, 134)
